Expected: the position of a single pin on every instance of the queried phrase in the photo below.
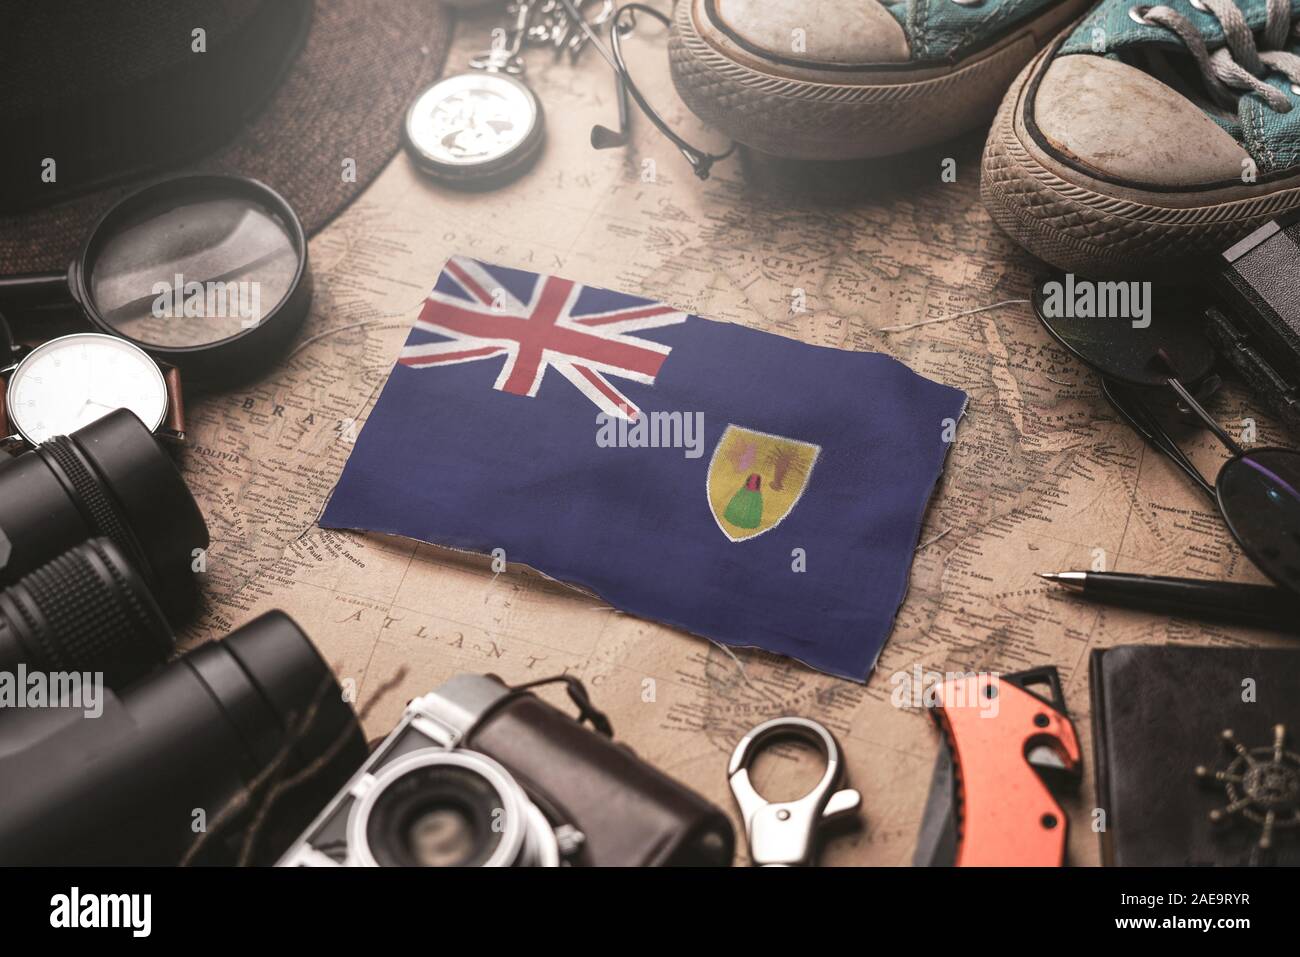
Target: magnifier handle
(35, 289)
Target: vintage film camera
(477, 773)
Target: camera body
(480, 774)
(1254, 315)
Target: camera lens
(439, 808)
(435, 816)
(87, 610)
(129, 784)
(109, 479)
(440, 837)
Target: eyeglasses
(622, 25)
(1257, 491)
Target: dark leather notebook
(1158, 714)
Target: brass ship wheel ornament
(1262, 785)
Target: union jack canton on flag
(735, 484)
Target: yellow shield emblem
(756, 479)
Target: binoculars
(111, 754)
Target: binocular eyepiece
(109, 755)
(87, 610)
(110, 479)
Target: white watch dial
(471, 118)
(72, 381)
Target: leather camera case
(630, 813)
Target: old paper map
(1042, 476)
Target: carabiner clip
(782, 834)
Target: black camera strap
(587, 711)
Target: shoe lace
(1239, 66)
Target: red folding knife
(1008, 749)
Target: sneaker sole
(1087, 225)
(805, 113)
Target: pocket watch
(475, 130)
(66, 383)
(482, 128)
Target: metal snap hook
(781, 834)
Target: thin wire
(236, 805)
(270, 775)
(739, 664)
(955, 315)
(329, 332)
(923, 546)
(322, 761)
(701, 161)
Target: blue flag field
(738, 485)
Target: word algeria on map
(1041, 476)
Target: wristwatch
(61, 385)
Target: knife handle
(1008, 816)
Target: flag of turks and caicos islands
(520, 416)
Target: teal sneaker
(839, 79)
(1149, 137)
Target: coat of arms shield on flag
(671, 465)
(755, 479)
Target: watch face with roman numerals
(71, 381)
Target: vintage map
(1042, 476)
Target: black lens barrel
(86, 611)
(143, 780)
(112, 479)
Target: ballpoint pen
(1260, 606)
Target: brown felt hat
(116, 94)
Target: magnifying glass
(207, 273)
